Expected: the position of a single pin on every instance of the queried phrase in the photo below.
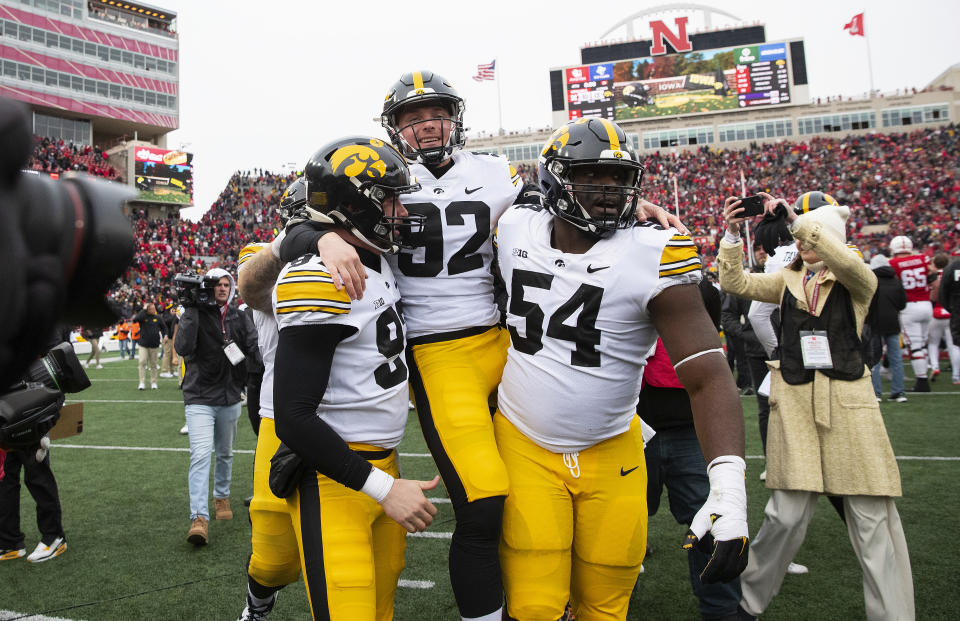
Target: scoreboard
(702, 81)
(762, 76)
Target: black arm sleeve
(301, 239)
(529, 195)
(301, 372)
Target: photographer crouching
(214, 339)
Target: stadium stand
(895, 184)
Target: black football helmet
(347, 183)
(809, 201)
(293, 201)
(589, 141)
(423, 87)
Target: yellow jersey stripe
(288, 291)
(611, 134)
(312, 309)
(306, 272)
(694, 267)
(856, 250)
(248, 251)
(672, 254)
(417, 80)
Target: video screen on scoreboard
(689, 83)
(163, 176)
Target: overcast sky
(266, 84)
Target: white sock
(496, 615)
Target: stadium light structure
(684, 7)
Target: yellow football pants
(351, 552)
(452, 381)
(274, 555)
(574, 526)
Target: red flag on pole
(856, 25)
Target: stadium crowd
(894, 184)
(54, 156)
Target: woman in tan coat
(826, 434)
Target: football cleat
(258, 613)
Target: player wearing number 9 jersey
(589, 289)
(913, 271)
(340, 389)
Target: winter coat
(826, 435)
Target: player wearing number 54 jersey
(913, 271)
(589, 289)
(340, 389)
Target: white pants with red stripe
(940, 329)
(915, 324)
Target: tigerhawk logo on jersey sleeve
(679, 257)
(310, 289)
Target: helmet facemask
(451, 136)
(577, 200)
(363, 215)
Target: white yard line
(249, 452)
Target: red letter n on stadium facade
(680, 41)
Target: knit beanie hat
(878, 260)
(832, 217)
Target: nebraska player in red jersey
(913, 270)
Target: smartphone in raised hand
(752, 206)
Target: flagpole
(496, 75)
(746, 223)
(676, 199)
(863, 27)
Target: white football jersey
(366, 396)
(446, 282)
(579, 326)
(267, 336)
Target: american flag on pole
(485, 71)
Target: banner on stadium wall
(163, 176)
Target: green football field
(124, 494)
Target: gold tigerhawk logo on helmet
(557, 141)
(358, 160)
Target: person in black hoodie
(152, 330)
(885, 325)
(949, 296)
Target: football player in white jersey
(340, 389)
(457, 351)
(274, 555)
(589, 290)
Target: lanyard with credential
(812, 304)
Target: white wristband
(733, 238)
(378, 484)
(727, 471)
(275, 244)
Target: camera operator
(152, 329)
(213, 339)
(28, 412)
